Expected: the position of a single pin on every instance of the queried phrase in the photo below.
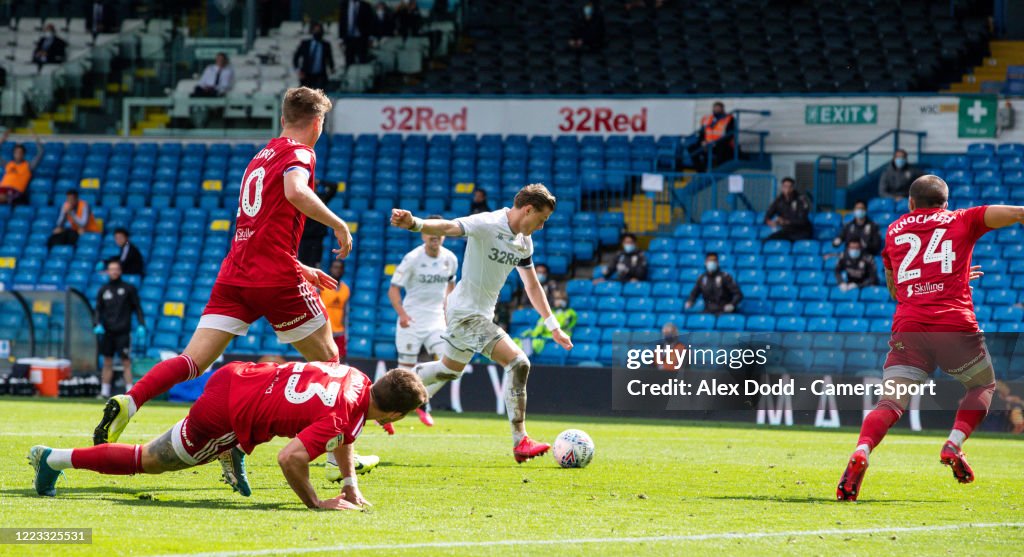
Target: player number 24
(938, 251)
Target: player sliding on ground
(260, 277)
(927, 268)
(499, 241)
(323, 406)
(428, 275)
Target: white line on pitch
(623, 540)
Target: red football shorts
(916, 355)
(206, 431)
(294, 312)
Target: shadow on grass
(793, 499)
(71, 490)
(151, 498)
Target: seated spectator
(75, 219)
(408, 19)
(540, 335)
(789, 214)
(479, 204)
(720, 292)
(128, 255)
(1012, 408)
(630, 264)
(217, 78)
(717, 134)
(588, 30)
(855, 268)
(50, 49)
(100, 17)
(670, 338)
(383, 22)
(551, 286)
(861, 228)
(313, 59)
(897, 177)
(18, 173)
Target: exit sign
(841, 114)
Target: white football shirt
(425, 280)
(492, 251)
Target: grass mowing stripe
(624, 540)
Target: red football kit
(928, 252)
(248, 404)
(261, 277)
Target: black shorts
(116, 343)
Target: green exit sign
(841, 114)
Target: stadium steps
(993, 68)
(644, 214)
(156, 117)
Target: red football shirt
(315, 402)
(929, 254)
(268, 227)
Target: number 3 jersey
(492, 251)
(316, 402)
(929, 254)
(267, 225)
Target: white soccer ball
(573, 449)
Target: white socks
(330, 458)
(865, 448)
(132, 408)
(59, 459)
(105, 390)
(957, 438)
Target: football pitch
(654, 487)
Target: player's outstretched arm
(294, 462)
(539, 301)
(298, 193)
(437, 227)
(890, 283)
(1001, 216)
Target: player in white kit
(498, 242)
(427, 274)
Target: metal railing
(187, 103)
(709, 148)
(826, 176)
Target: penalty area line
(619, 540)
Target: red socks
(973, 408)
(162, 377)
(110, 458)
(878, 422)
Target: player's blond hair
(302, 104)
(536, 196)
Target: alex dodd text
(752, 387)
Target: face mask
(49, 34)
(542, 278)
(671, 339)
(853, 253)
(560, 304)
(629, 248)
(711, 266)
(318, 35)
(588, 11)
(859, 213)
(380, 12)
(900, 162)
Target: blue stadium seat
(791, 324)
(822, 325)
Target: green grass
(457, 482)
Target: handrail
(824, 190)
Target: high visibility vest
(90, 225)
(713, 130)
(16, 175)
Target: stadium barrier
(47, 324)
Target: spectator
(539, 335)
(588, 30)
(408, 19)
(355, 24)
(18, 173)
(479, 204)
(313, 59)
(717, 133)
(129, 256)
(383, 22)
(857, 266)
(217, 78)
(897, 177)
(311, 246)
(50, 49)
(670, 337)
(861, 228)
(551, 286)
(720, 292)
(336, 303)
(100, 18)
(789, 214)
(115, 303)
(1013, 408)
(630, 264)
(75, 219)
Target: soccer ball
(573, 449)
